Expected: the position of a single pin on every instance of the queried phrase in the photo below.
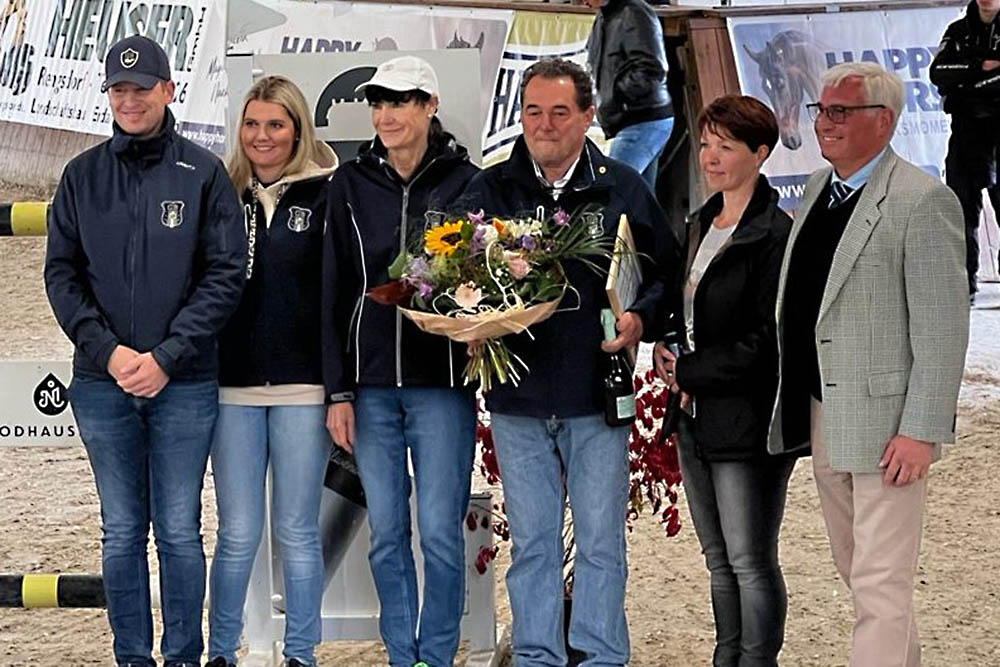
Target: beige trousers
(874, 533)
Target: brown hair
(553, 68)
(743, 118)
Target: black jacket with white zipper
(371, 212)
(274, 335)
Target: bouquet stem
(492, 359)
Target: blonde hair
(880, 86)
(281, 91)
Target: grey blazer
(894, 319)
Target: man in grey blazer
(873, 325)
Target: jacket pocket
(888, 384)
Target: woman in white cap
(271, 388)
(395, 390)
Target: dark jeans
(148, 457)
(971, 166)
(737, 508)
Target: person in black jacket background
(550, 432)
(627, 59)
(271, 409)
(728, 375)
(392, 387)
(966, 70)
(144, 265)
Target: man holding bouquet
(549, 430)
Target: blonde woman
(271, 380)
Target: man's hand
(664, 362)
(629, 327)
(120, 358)
(143, 377)
(340, 424)
(990, 65)
(905, 460)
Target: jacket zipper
(360, 306)
(402, 246)
(137, 219)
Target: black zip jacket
(957, 69)
(627, 59)
(733, 371)
(274, 335)
(145, 249)
(371, 213)
(565, 360)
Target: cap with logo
(402, 74)
(137, 60)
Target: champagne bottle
(619, 393)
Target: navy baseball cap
(137, 60)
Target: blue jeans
(737, 508)
(639, 146)
(540, 461)
(148, 457)
(438, 426)
(294, 440)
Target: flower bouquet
(479, 278)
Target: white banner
(34, 408)
(780, 59)
(288, 26)
(53, 61)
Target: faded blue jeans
(438, 427)
(737, 507)
(149, 457)
(541, 460)
(294, 440)
(639, 146)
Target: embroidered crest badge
(173, 213)
(129, 58)
(594, 220)
(298, 218)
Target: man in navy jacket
(145, 261)
(549, 431)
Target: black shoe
(219, 662)
(972, 299)
(295, 662)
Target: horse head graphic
(789, 67)
(459, 42)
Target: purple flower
(477, 218)
(419, 268)
(424, 290)
(478, 241)
(527, 242)
(560, 217)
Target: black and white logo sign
(50, 396)
(173, 213)
(298, 218)
(129, 58)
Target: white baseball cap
(402, 74)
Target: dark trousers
(737, 507)
(970, 167)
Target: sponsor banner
(342, 117)
(780, 60)
(34, 408)
(53, 53)
(289, 26)
(534, 36)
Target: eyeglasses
(837, 113)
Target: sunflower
(444, 239)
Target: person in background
(728, 374)
(873, 324)
(551, 437)
(966, 70)
(272, 410)
(628, 62)
(394, 391)
(144, 265)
